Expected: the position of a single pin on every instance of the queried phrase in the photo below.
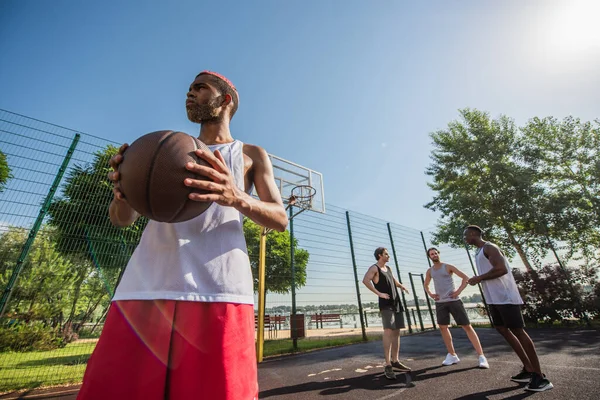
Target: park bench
(327, 318)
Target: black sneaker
(522, 377)
(539, 383)
(389, 372)
(398, 365)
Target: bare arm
(434, 296)
(460, 274)
(399, 285)
(498, 267)
(120, 212)
(368, 282)
(268, 211)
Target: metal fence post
(399, 278)
(428, 303)
(423, 280)
(36, 226)
(293, 327)
(360, 308)
(412, 284)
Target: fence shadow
(64, 360)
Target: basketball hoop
(302, 197)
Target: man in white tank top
(448, 302)
(504, 301)
(181, 324)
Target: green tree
(45, 283)
(278, 276)
(86, 235)
(5, 174)
(479, 179)
(80, 215)
(566, 156)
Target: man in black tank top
(380, 280)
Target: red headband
(227, 81)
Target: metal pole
(428, 303)
(399, 278)
(425, 247)
(36, 226)
(293, 327)
(260, 335)
(487, 309)
(423, 280)
(412, 284)
(360, 308)
(568, 275)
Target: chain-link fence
(61, 259)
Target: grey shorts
(456, 308)
(392, 319)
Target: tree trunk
(101, 319)
(83, 273)
(89, 312)
(34, 296)
(520, 250)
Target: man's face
(203, 101)
(434, 255)
(469, 236)
(385, 256)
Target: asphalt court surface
(569, 357)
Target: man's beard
(204, 113)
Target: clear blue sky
(349, 88)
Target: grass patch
(67, 365)
(62, 366)
(42, 368)
(286, 346)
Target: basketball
(152, 174)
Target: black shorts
(392, 320)
(507, 315)
(456, 308)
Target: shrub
(29, 337)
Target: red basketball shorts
(166, 349)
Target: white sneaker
(451, 359)
(483, 363)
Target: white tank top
(502, 290)
(203, 259)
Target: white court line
(389, 396)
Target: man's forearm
(463, 285)
(428, 291)
(370, 286)
(270, 215)
(493, 274)
(121, 214)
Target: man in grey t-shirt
(447, 302)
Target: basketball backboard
(288, 175)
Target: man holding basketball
(181, 324)
(380, 280)
(504, 301)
